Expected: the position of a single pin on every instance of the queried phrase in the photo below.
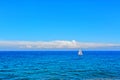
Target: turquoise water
(59, 65)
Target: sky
(48, 21)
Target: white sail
(80, 52)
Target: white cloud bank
(58, 44)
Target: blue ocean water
(59, 65)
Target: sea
(59, 65)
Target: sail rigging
(80, 52)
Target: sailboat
(80, 53)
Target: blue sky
(48, 20)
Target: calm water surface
(59, 65)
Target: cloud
(58, 44)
